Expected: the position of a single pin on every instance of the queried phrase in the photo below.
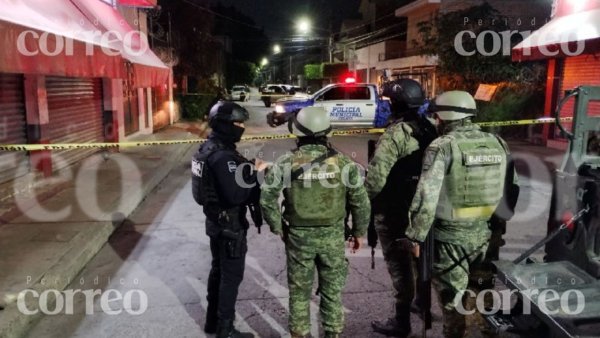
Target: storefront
(571, 44)
(64, 82)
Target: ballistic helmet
(404, 93)
(310, 121)
(454, 105)
(227, 111)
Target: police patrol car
(348, 104)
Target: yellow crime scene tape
(266, 137)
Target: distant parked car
(241, 93)
(296, 90)
(273, 92)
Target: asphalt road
(163, 252)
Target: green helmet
(454, 105)
(310, 121)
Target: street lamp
(276, 49)
(303, 26)
(264, 62)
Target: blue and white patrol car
(348, 104)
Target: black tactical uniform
(217, 169)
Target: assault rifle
(371, 233)
(425, 266)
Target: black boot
(398, 326)
(225, 329)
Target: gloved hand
(354, 244)
(409, 245)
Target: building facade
(399, 56)
(76, 71)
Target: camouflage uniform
(315, 235)
(397, 163)
(461, 230)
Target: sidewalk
(48, 235)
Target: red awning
(138, 3)
(563, 36)
(149, 70)
(54, 38)
(568, 7)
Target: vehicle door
(333, 102)
(349, 104)
(360, 104)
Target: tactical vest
(473, 186)
(203, 186)
(317, 197)
(405, 173)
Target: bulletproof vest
(203, 185)
(405, 173)
(474, 184)
(317, 197)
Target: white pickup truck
(348, 104)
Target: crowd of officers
(433, 171)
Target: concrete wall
(425, 13)
(369, 56)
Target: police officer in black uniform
(217, 169)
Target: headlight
(279, 109)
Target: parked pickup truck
(348, 104)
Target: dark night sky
(278, 17)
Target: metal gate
(12, 126)
(75, 113)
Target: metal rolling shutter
(75, 113)
(12, 126)
(578, 71)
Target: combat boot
(225, 329)
(398, 326)
(329, 334)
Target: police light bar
(350, 80)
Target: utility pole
(330, 48)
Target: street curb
(13, 323)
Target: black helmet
(404, 93)
(227, 111)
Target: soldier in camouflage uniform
(461, 185)
(391, 182)
(317, 184)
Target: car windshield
(238, 88)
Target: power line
(366, 24)
(370, 34)
(221, 15)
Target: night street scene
(299, 168)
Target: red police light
(566, 219)
(350, 79)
